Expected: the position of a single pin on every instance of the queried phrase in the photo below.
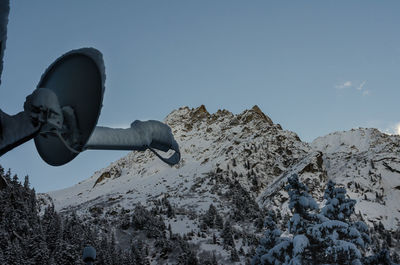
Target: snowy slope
(365, 161)
(208, 142)
(234, 162)
(220, 152)
(224, 155)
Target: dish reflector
(77, 78)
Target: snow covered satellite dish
(62, 112)
(77, 79)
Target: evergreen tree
(208, 219)
(37, 251)
(51, 226)
(337, 207)
(142, 219)
(214, 259)
(317, 238)
(301, 204)
(227, 235)
(105, 255)
(245, 207)
(268, 241)
(137, 253)
(337, 238)
(219, 221)
(234, 255)
(381, 258)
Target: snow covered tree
(105, 256)
(276, 249)
(337, 207)
(381, 258)
(268, 241)
(219, 221)
(37, 251)
(245, 207)
(234, 255)
(301, 204)
(209, 218)
(327, 238)
(337, 238)
(138, 253)
(142, 219)
(51, 226)
(227, 235)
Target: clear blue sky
(312, 66)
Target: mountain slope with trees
(211, 208)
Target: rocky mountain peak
(356, 140)
(248, 144)
(190, 118)
(255, 113)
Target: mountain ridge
(222, 127)
(251, 145)
(237, 165)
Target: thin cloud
(351, 84)
(346, 84)
(361, 86)
(365, 93)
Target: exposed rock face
(255, 113)
(114, 172)
(191, 117)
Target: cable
(65, 143)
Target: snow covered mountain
(248, 144)
(365, 161)
(239, 164)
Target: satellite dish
(77, 78)
(62, 113)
